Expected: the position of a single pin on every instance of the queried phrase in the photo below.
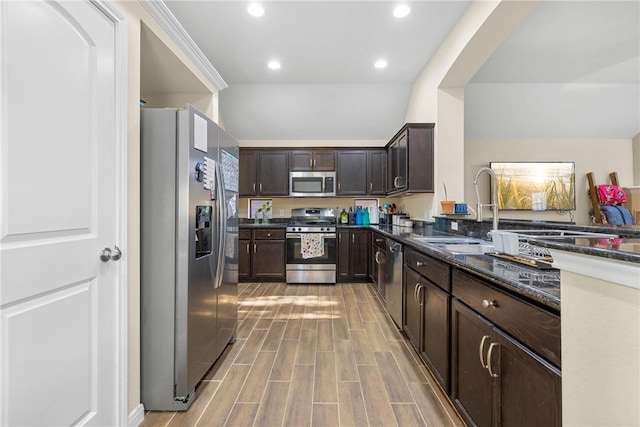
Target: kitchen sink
(450, 240)
(467, 249)
(456, 245)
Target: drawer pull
(481, 351)
(268, 234)
(379, 240)
(489, 303)
(489, 353)
(420, 264)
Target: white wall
(600, 156)
(551, 110)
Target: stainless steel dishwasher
(393, 281)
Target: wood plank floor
(314, 355)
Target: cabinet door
(324, 160)
(352, 173)
(392, 167)
(248, 173)
(402, 176)
(244, 259)
(528, 388)
(268, 259)
(273, 173)
(344, 244)
(471, 385)
(301, 160)
(373, 265)
(435, 332)
(312, 160)
(412, 307)
(359, 254)
(377, 172)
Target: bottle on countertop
(365, 217)
(344, 217)
(358, 215)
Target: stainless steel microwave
(312, 184)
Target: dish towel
(617, 215)
(312, 245)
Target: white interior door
(59, 193)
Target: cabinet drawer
(244, 234)
(536, 328)
(269, 233)
(431, 268)
(378, 240)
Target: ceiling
(328, 89)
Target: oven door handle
(299, 235)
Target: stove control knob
(299, 228)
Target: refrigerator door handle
(221, 203)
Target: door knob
(107, 254)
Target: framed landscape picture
(538, 186)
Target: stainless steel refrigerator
(188, 254)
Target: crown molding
(161, 13)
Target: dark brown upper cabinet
(264, 173)
(312, 160)
(410, 160)
(351, 173)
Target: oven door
(294, 250)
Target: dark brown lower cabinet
(262, 257)
(353, 254)
(268, 260)
(244, 258)
(426, 323)
(497, 381)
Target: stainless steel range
(311, 246)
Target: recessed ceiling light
(401, 11)
(380, 63)
(255, 10)
(274, 65)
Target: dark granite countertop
(539, 286)
(273, 223)
(622, 249)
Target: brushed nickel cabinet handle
(310, 163)
(268, 234)
(254, 248)
(353, 238)
(261, 187)
(420, 264)
(415, 292)
(370, 187)
(486, 303)
(248, 251)
(481, 351)
(421, 288)
(489, 353)
(254, 187)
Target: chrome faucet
(494, 196)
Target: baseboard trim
(136, 416)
